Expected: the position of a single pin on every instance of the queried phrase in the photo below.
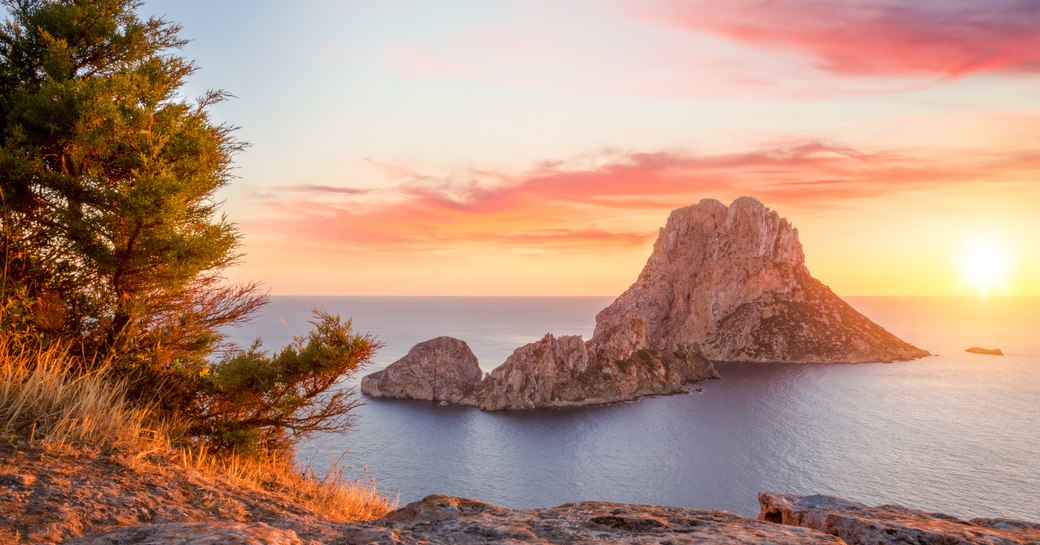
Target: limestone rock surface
(559, 372)
(858, 524)
(437, 520)
(196, 533)
(440, 369)
(730, 283)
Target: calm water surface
(956, 432)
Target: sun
(984, 265)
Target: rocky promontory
(722, 284)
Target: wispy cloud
(561, 205)
(946, 38)
(316, 188)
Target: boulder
(441, 369)
(858, 524)
(730, 283)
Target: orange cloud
(561, 206)
(880, 37)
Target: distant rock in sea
(559, 372)
(987, 351)
(731, 284)
(441, 369)
(722, 284)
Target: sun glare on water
(984, 265)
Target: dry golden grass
(43, 405)
(333, 496)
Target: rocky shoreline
(722, 284)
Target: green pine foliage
(258, 400)
(112, 239)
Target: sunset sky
(535, 147)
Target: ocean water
(955, 432)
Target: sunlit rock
(858, 524)
(438, 520)
(441, 369)
(986, 351)
(196, 533)
(558, 372)
(730, 283)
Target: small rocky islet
(722, 284)
(984, 351)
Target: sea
(956, 432)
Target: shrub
(253, 402)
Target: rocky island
(722, 284)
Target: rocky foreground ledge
(785, 520)
(98, 498)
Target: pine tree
(111, 236)
(108, 176)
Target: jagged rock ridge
(560, 372)
(722, 284)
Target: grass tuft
(44, 405)
(333, 496)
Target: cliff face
(722, 284)
(730, 283)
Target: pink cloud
(412, 61)
(948, 38)
(317, 188)
(559, 206)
